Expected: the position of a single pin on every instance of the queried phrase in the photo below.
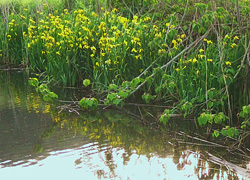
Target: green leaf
(112, 87)
(116, 101)
(215, 133)
(204, 118)
(210, 104)
(219, 118)
(165, 116)
(33, 82)
(124, 94)
(86, 82)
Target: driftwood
(230, 166)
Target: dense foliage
(191, 55)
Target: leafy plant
(86, 82)
(88, 103)
(165, 116)
(148, 97)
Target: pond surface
(38, 140)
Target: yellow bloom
(93, 48)
(197, 72)
(228, 63)
(167, 24)
(233, 45)
(58, 53)
(201, 56)
(209, 42)
(138, 56)
(194, 60)
(172, 26)
(236, 37)
(201, 50)
(135, 17)
(134, 50)
(160, 51)
(179, 39)
(28, 45)
(92, 55)
(209, 60)
(174, 42)
(97, 64)
(183, 36)
(227, 37)
(177, 69)
(108, 61)
(205, 40)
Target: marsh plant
(191, 55)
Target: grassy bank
(191, 55)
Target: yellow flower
(197, 72)
(194, 60)
(174, 42)
(209, 60)
(179, 39)
(93, 48)
(135, 17)
(205, 40)
(167, 24)
(228, 63)
(236, 37)
(177, 69)
(138, 56)
(233, 45)
(97, 64)
(92, 55)
(108, 61)
(183, 36)
(58, 53)
(172, 26)
(134, 50)
(114, 10)
(227, 37)
(201, 56)
(28, 45)
(201, 50)
(160, 51)
(209, 42)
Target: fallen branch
(228, 165)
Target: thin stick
(243, 60)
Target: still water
(39, 140)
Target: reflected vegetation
(107, 144)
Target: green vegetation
(191, 55)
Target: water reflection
(36, 142)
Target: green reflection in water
(32, 129)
